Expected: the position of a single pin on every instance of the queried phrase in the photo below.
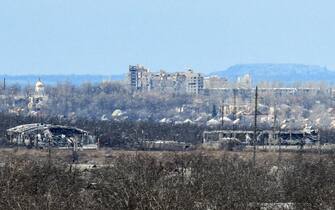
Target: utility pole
(274, 123)
(235, 108)
(49, 151)
(4, 93)
(279, 145)
(255, 126)
(234, 112)
(222, 114)
(319, 146)
(75, 156)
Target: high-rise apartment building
(194, 82)
(142, 79)
(139, 78)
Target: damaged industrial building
(237, 139)
(39, 135)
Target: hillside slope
(286, 73)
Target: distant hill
(54, 79)
(286, 73)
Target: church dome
(39, 87)
(39, 84)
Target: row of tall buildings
(190, 82)
(141, 79)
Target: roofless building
(39, 135)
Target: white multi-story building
(244, 81)
(142, 79)
(215, 82)
(139, 78)
(162, 81)
(194, 82)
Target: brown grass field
(199, 179)
(106, 155)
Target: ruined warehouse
(41, 135)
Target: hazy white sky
(105, 36)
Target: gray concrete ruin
(264, 137)
(39, 135)
(165, 145)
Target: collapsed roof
(54, 129)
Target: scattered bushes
(168, 181)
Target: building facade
(194, 82)
(244, 81)
(141, 79)
(215, 82)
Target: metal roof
(26, 128)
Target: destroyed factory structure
(41, 135)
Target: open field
(115, 179)
(107, 155)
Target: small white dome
(39, 84)
(165, 120)
(117, 113)
(188, 121)
(213, 122)
(39, 88)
